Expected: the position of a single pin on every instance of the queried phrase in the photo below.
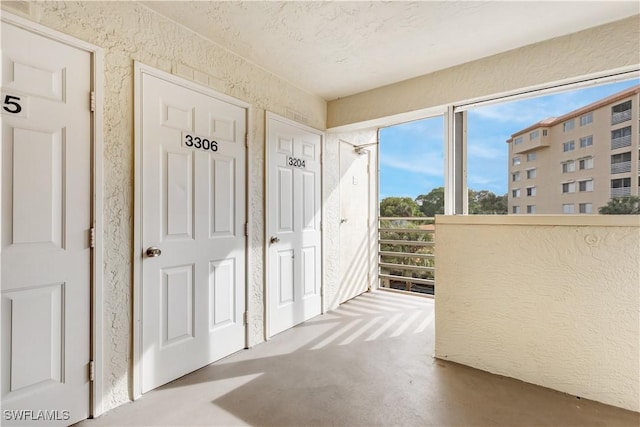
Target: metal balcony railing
(406, 254)
(620, 192)
(621, 167)
(620, 117)
(623, 141)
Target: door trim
(139, 70)
(267, 205)
(96, 388)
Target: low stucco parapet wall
(550, 300)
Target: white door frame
(267, 209)
(139, 70)
(97, 185)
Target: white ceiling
(335, 49)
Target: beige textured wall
(553, 301)
(587, 52)
(128, 31)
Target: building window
(568, 125)
(569, 187)
(621, 112)
(515, 193)
(531, 157)
(515, 209)
(531, 191)
(515, 161)
(567, 208)
(586, 163)
(586, 185)
(515, 176)
(531, 173)
(544, 132)
(621, 163)
(517, 140)
(534, 135)
(569, 166)
(621, 187)
(568, 146)
(586, 141)
(621, 183)
(531, 209)
(586, 119)
(586, 208)
(621, 138)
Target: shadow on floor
(369, 363)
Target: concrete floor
(369, 363)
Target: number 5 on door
(15, 105)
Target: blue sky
(411, 154)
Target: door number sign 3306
(14, 105)
(190, 140)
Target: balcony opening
(620, 187)
(621, 112)
(411, 183)
(621, 163)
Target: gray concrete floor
(369, 363)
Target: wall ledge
(549, 220)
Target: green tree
(399, 206)
(486, 202)
(480, 202)
(432, 203)
(629, 205)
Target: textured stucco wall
(551, 301)
(587, 52)
(128, 31)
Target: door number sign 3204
(296, 162)
(192, 141)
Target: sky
(411, 154)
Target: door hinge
(92, 237)
(92, 101)
(246, 140)
(245, 318)
(246, 229)
(92, 370)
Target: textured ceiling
(335, 49)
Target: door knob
(153, 252)
(274, 240)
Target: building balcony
(623, 141)
(621, 167)
(406, 254)
(526, 146)
(620, 192)
(620, 117)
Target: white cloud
(479, 149)
(427, 164)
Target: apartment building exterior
(575, 164)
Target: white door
(355, 227)
(294, 213)
(193, 221)
(46, 217)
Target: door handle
(274, 239)
(153, 252)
